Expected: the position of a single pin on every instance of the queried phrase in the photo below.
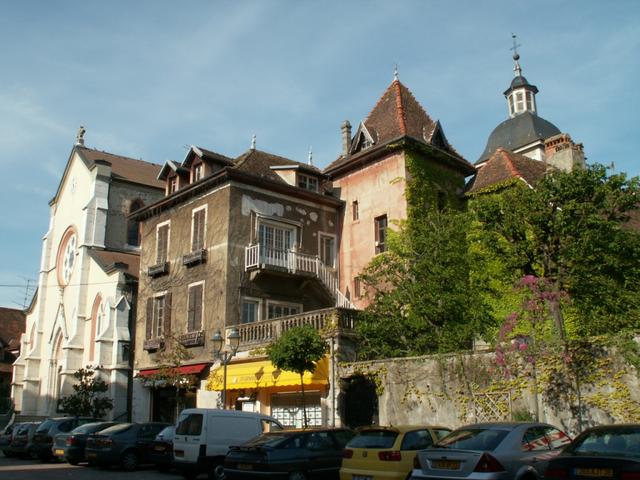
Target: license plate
(595, 472)
(245, 466)
(446, 464)
(58, 451)
(178, 453)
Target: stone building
(12, 323)
(82, 311)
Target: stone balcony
(261, 334)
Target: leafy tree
(298, 350)
(573, 230)
(88, 398)
(424, 299)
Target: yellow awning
(262, 374)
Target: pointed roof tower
(397, 115)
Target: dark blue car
(70, 446)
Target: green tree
(423, 298)
(298, 350)
(88, 398)
(574, 230)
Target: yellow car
(378, 453)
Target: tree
(298, 350)
(424, 299)
(573, 229)
(88, 398)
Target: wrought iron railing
(257, 256)
(266, 331)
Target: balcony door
(276, 240)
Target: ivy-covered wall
(457, 389)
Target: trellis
(492, 406)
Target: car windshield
(271, 439)
(484, 439)
(618, 442)
(373, 439)
(44, 426)
(189, 424)
(121, 427)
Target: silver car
(492, 451)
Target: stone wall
(454, 390)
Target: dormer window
(308, 182)
(173, 185)
(198, 172)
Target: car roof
(402, 428)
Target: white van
(203, 437)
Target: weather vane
(516, 56)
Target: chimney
(346, 137)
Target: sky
(149, 78)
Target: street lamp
(225, 356)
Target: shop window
(287, 409)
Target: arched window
(133, 226)
(97, 314)
(66, 258)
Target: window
(535, 440)
(416, 440)
(162, 242)
(511, 106)
(250, 310)
(198, 223)
(190, 424)
(133, 226)
(124, 351)
(66, 256)
(557, 438)
(307, 182)
(198, 171)
(519, 102)
(275, 242)
(328, 250)
(194, 309)
(530, 101)
(158, 316)
(277, 309)
(357, 288)
(173, 184)
(381, 233)
(355, 211)
(287, 409)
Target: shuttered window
(199, 218)
(162, 243)
(158, 316)
(194, 313)
(381, 233)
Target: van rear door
(189, 436)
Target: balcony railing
(159, 269)
(259, 256)
(264, 332)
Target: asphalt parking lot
(29, 469)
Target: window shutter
(191, 310)
(197, 310)
(149, 317)
(167, 315)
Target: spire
(253, 142)
(516, 56)
(310, 155)
(395, 72)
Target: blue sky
(148, 78)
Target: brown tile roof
(110, 260)
(504, 165)
(12, 325)
(397, 114)
(257, 162)
(124, 168)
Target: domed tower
(527, 133)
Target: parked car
(611, 452)
(22, 440)
(493, 451)
(70, 446)
(43, 438)
(5, 439)
(126, 444)
(292, 454)
(204, 435)
(161, 449)
(387, 452)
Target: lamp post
(225, 356)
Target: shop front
(258, 386)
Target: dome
(520, 81)
(517, 132)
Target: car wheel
(217, 473)
(129, 460)
(297, 476)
